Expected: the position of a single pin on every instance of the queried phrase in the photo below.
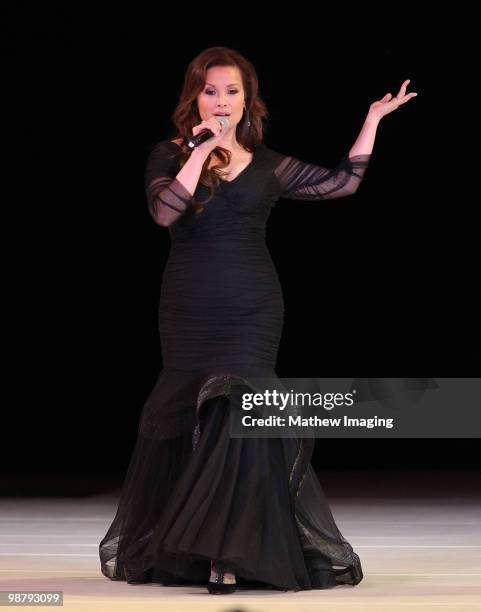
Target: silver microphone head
(224, 120)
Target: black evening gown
(192, 493)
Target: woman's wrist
(372, 118)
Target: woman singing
(199, 506)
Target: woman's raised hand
(387, 104)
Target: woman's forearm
(169, 203)
(365, 140)
(190, 172)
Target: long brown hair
(186, 114)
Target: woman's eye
(209, 91)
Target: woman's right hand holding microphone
(216, 127)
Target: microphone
(205, 134)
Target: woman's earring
(247, 116)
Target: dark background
(379, 284)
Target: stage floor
(418, 535)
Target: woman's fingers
(214, 125)
(402, 98)
(402, 90)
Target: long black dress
(192, 493)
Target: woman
(198, 506)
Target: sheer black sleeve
(304, 181)
(167, 198)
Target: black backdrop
(379, 284)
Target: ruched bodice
(221, 302)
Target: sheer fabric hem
(169, 547)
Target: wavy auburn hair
(186, 114)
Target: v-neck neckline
(241, 173)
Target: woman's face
(223, 92)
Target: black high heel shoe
(217, 586)
(322, 578)
(321, 573)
